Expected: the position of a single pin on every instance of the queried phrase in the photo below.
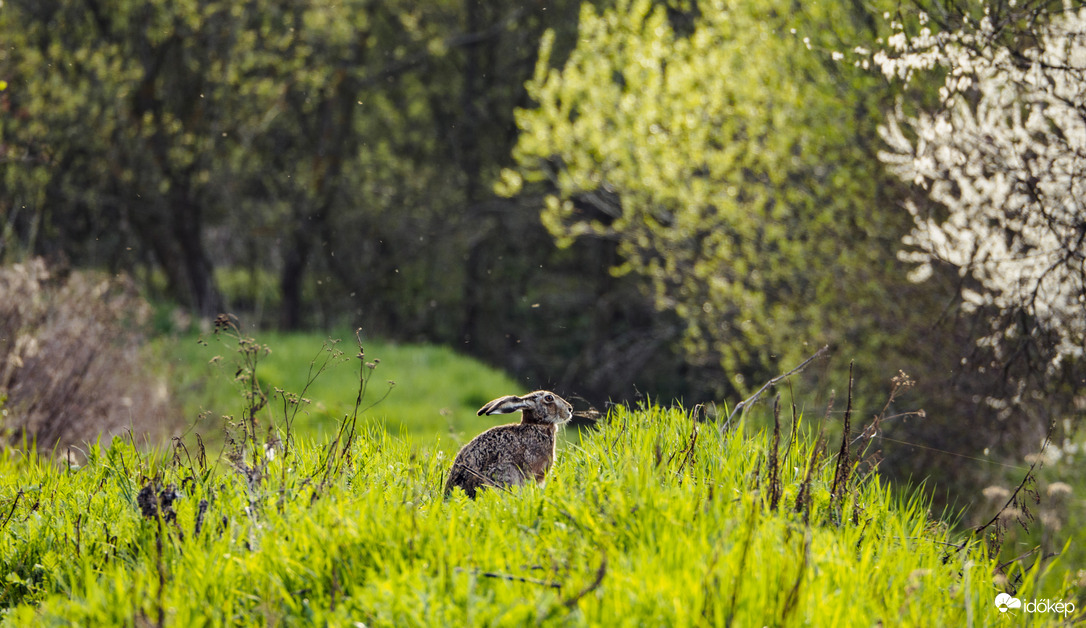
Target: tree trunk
(173, 235)
(467, 149)
(187, 219)
(333, 129)
(290, 281)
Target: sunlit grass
(652, 517)
(639, 524)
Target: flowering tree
(1004, 160)
(725, 152)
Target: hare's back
(517, 443)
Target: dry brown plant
(72, 361)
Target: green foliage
(733, 164)
(145, 123)
(437, 391)
(310, 164)
(642, 523)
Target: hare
(510, 455)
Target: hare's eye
(549, 398)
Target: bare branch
(742, 405)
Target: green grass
(641, 523)
(436, 392)
(650, 518)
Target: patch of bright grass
(641, 522)
(436, 390)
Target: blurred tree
(139, 131)
(728, 151)
(330, 162)
(444, 259)
(117, 131)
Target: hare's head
(540, 407)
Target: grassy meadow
(436, 391)
(652, 519)
(315, 514)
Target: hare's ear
(503, 405)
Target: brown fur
(509, 455)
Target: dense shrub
(70, 359)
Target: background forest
(675, 199)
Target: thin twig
(752, 522)
(592, 586)
(1021, 485)
(840, 475)
(774, 457)
(793, 594)
(999, 568)
(512, 578)
(742, 405)
(689, 451)
(11, 512)
(486, 481)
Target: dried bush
(71, 361)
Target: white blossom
(1006, 157)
